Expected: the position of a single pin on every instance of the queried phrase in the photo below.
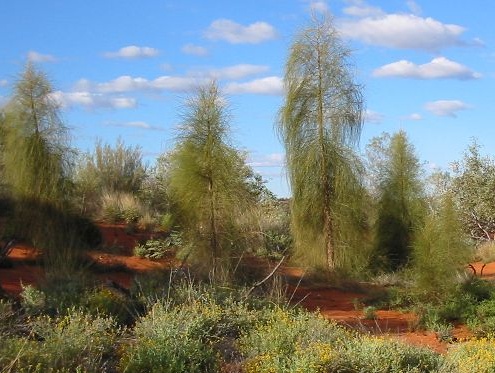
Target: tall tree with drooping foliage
(401, 200)
(320, 122)
(37, 164)
(207, 178)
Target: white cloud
(128, 83)
(268, 160)
(39, 57)
(135, 124)
(177, 83)
(413, 117)
(373, 117)
(319, 6)
(401, 31)
(90, 100)
(361, 9)
(195, 50)
(446, 108)
(237, 71)
(235, 33)
(133, 51)
(272, 85)
(438, 68)
(3, 83)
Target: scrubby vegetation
(413, 237)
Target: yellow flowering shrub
(474, 356)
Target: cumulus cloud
(361, 9)
(413, 117)
(402, 31)
(438, 68)
(235, 33)
(195, 50)
(237, 71)
(128, 83)
(272, 85)
(3, 82)
(373, 117)
(135, 124)
(39, 57)
(133, 52)
(90, 100)
(446, 108)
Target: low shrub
(33, 300)
(380, 355)
(76, 342)
(482, 323)
(477, 355)
(108, 303)
(152, 249)
(292, 341)
(171, 341)
(158, 248)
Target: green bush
(33, 300)
(172, 341)
(158, 248)
(73, 343)
(152, 249)
(482, 323)
(291, 341)
(382, 355)
(103, 301)
(473, 356)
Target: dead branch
(259, 283)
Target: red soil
(342, 306)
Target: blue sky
(122, 68)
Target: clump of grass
(76, 342)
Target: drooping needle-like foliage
(36, 162)
(208, 177)
(320, 121)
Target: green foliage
(109, 303)
(117, 172)
(380, 355)
(36, 167)
(319, 123)
(120, 207)
(33, 300)
(369, 312)
(472, 186)
(73, 343)
(440, 251)
(482, 322)
(155, 249)
(477, 355)
(400, 206)
(180, 339)
(208, 179)
(292, 341)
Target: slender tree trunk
(327, 213)
(213, 223)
